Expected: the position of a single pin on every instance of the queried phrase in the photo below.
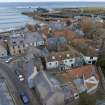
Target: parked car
(19, 75)
(8, 60)
(24, 97)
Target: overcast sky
(45, 0)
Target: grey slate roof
(57, 40)
(31, 37)
(56, 26)
(25, 38)
(16, 39)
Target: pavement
(5, 96)
(16, 86)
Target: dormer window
(91, 57)
(53, 57)
(68, 55)
(14, 42)
(60, 56)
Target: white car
(21, 78)
(8, 60)
(19, 75)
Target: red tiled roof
(86, 71)
(66, 32)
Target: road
(17, 86)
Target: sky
(48, 0)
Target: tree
(86, 99)
(101, 63)
(87, 25)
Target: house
(85, 78)
(56, 25)
(51, 90)
(33, 39)
(61, 60)
(41, 10)
(90, 57)
(89, 76)
(89, 53)
(19, 42)
(69, 34)
(57, 44)
(48, 91)
(3, 52)
(16, 43)
(79, 32)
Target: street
(16, 86)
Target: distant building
(84, 46)
(61, 60)
(3, 52)
(33, 39)
(16, 44)
(56, 25)
(41, 10)
(90, 57)
(21, 41)
(57, 44)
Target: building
(56, 25)
(33, 39)
(84, 79)
(50, 90)
(89, 53)
(3, 52)
(69, 34)
(90, 57)
(42, 10)
(57, 44)
(61, 60)
(18, 42)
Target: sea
(11, 17)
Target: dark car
(24, 97)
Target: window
(19, 51)
(53, 57)
(21, 41)
(70, 60)
(13, 47)
(65, 61)
(14, 42)
(31, 44)
(26, 45)
(89, 62)
(68, 55)
(91, 57)
(14, 52)
(71, 65)
(56, 63)
(18, 46)
(93, 62)
(34, 43)
(49, 63)
(23, 45)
